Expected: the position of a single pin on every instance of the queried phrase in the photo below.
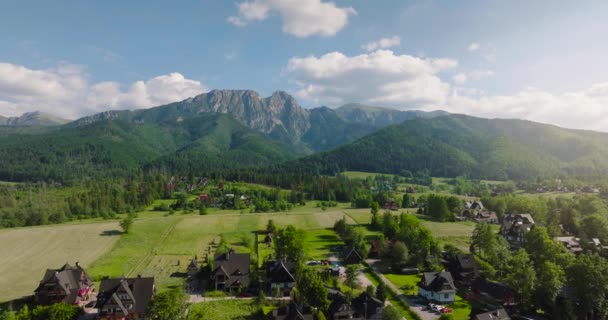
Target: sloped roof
(364, 302)
(499, 314)
(466, 261)
(440, 282)
(71, 279)
(280, 272)
(140, 290)
(235, 265)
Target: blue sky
(538, 60)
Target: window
(446, 296)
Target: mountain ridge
(33, 119)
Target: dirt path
(152, 251)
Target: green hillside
(121, 147)
(457, 144)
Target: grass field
(224, 310)
(26, 253)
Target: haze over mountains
(38, 119)
(232, 129)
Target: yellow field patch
(26, 253)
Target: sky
(538, 60)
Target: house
(499, 314)
(280, 277)
(231, 271)
(340, 309)
(204, 198)
(124, 298)
(368, 307)
(437, 286)
(193, 268)
(514, 228)
(391, 204)
(463, 267)
(351, 256)
(486, 217)
(292, 311)
(69, 285)
(571, 243)
(493, 293)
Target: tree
(588, 275)
(289, 244)
(551, 279)
(370, 290)
(522, 276)
(446, 316)
(398, 255)
(391, 313)
(312, 290)
(406, 202)
(381, 291)
(168, 305)
(437, 207)
(270, 227)
(375, 207)
(352, 276)
(126, 224)
(202, 210)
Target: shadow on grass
(109, 233)
(178, 274)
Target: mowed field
(26, 253)
(162, 246)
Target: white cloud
(383, 43)
(406, 82)
(301, 18)
(584, 109)
(380, 77)
(65, 91)
(474, 46)
(462, 77)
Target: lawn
(408, 284)
(225, 310)
(26, 253)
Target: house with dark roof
(280, 277)
(339, 309)
(463, 267)
(499, 314)
(231, 271)
(514, 228)
(494, 293)
(571, 243)
(291, 311)
(368, 307)
(391, 204)
(351, 256)
(193, 268)
(68, 284)
(437, 286)
(124, 298)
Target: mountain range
(36, 118)
(237, 129)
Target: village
(360, 280)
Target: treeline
(544, 274)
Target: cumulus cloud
(65, 91)
(383, 43)
(583, 109)
(380, 77)
(406, 82)
(301, 18)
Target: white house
(437, 286)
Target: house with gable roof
(124, 298)
(437, 286)
(231, 271)
(68, 284)
(280, 277)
